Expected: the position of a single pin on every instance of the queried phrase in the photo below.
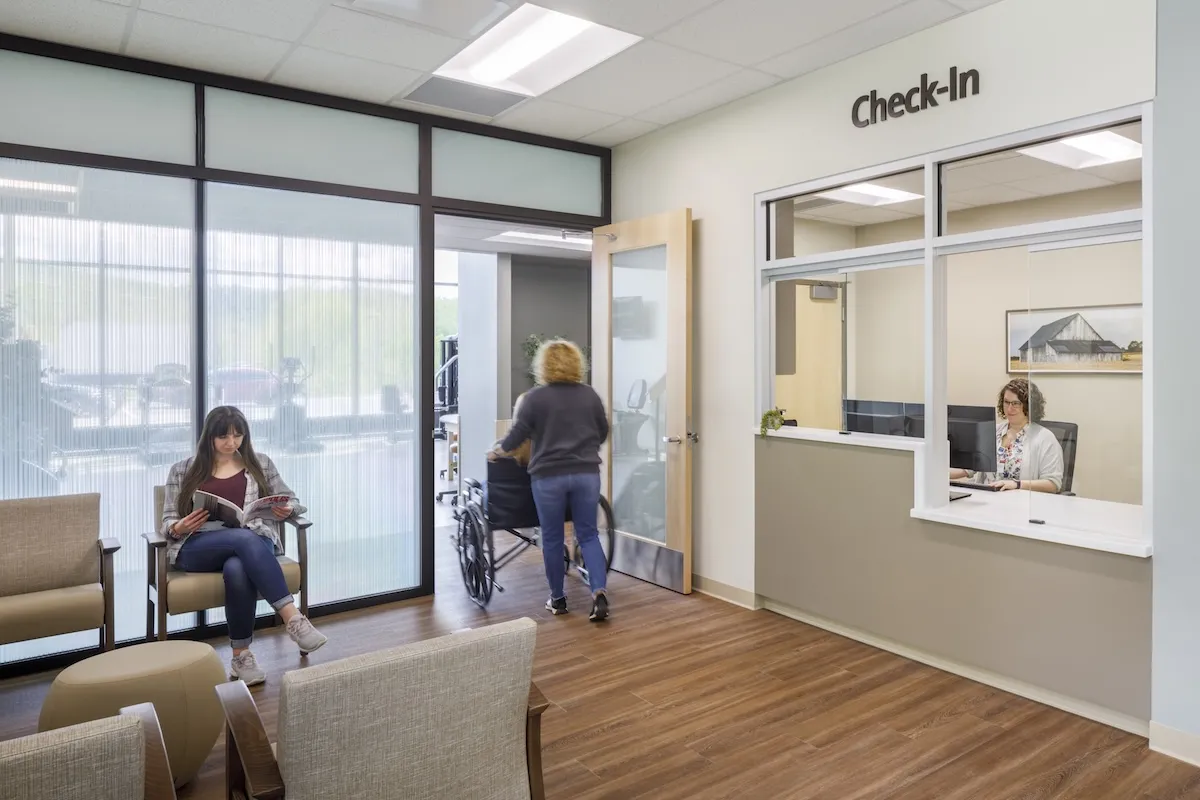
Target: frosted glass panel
(639, 383)
(471, 167)
(66, 106)
(312, 334)
(249, 133)
(96, 298)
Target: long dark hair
(219, 422)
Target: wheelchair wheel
(606, 527)
(476, 556)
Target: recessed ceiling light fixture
(1089, 150)
(544, 239)
(527, 52)
(869, 194)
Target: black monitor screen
(972, 443)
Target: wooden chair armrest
(249, 759)
(301, 523)
(159, 783)
(533, 742)
(109, 545)
(537, 701)
(155, 539)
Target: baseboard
(723, 591)
(1071, 705)
(1175, 743)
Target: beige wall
(886, 315)
(814, 236)
(835, 539)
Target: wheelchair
(509, 507)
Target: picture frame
(1100, 339)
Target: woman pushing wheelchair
(566, 423)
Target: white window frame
(930, 492)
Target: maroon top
(232, 489)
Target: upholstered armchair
(455, 717)
(173, 591)
(115, 758)
(56, 573)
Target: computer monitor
(885, 417)
(972, 438)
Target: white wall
(1040, 61)
(1174, 340)
(479, 370)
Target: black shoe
(599, 608)
(557, 607)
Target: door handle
(672, 440)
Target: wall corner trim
(1071, 705)
(723, 591)
(1175, 743)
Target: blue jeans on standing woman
(553, 496)
(247, 562)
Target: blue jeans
(581, 493)
(247, 562)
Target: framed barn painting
(1097, 339)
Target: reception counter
(838, 544)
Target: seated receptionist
(1028, 456)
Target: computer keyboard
(979, 487)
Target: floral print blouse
(1009, 459)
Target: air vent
(465, 97)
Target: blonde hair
(558, 361)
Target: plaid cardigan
(264, 528)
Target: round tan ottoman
(177, 677)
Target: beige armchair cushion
(49, 613)
(197, 591)
(49, 543)
(437, 719)
(101, 760)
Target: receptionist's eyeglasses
(1013, 404)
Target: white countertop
(1075, 521)
(875, 440)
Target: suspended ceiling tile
(643, 17)
(555, 119)
(646, 75)
(972, 5)
(875, 32)
(190, 44)
(624, 131)
(83, 23)
(749, 32)
(344, 76)
(278, 19)
(462, 19)
(988, 195)
(1124, 172)
(740, 84)
(371, 37)
(1060, 183)
(1012, 167)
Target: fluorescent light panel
(38, 186)
(534, 49)
(1086, 151)
(869, 194)
(544, 239)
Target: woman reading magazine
(222, 513)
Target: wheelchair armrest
(155, 539)
(471, 483)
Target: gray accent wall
(834, 538)
(550, 297)
(1174, 341)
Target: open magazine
(231, 516)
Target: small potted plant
(771, 421)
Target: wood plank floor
(689, 697)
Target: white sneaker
(306, 637)
(245, 667)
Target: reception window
(882, 210)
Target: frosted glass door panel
(639, 382)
